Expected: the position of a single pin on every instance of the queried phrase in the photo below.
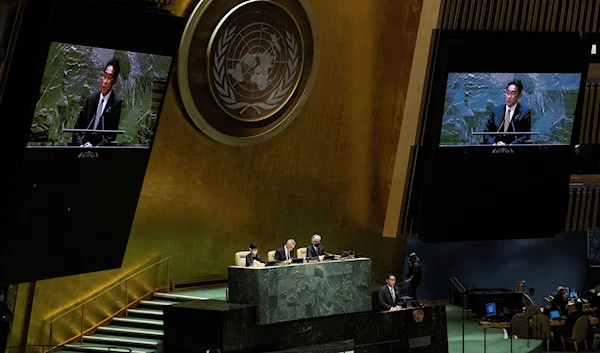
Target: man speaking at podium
(101, 111)
(510, 117)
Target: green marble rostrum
(303, 291)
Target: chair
(531, 310)
(240, 258)
(579, 333)
(301, 253)
(271, 255)
(571, 308)
(540, 329)
(519, 325)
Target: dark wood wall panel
(523, 15)
(582, 212)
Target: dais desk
(303, 291)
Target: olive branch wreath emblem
(227, 94)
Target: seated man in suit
(567, 330)
(101, 111)
(253, 259)
(389, 295)
(284, 253)
(315, 251)
(509, 117)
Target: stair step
(126, 341)
(177, 297)
(157, 303)
(147, 313)
(138, 322)
(129, 331)
(98, 348)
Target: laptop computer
(573, 294)
(554, 314)
(298, 261)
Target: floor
(474, 334)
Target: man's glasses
(512, 93)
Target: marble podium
(303, 291)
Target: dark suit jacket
(111, 115)
(280, 254)
(385, 298)
(521, 121)
(250, 259)
(311, 254)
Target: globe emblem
(255, 62)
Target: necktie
(393, 295)
(98, 113)
(506, 120)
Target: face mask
(317, 244)
(254, 252)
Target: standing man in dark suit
(101, 111)
(315, 251)
(284, 253)
(389, 295)
(413, 278)
(510, 117)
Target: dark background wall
(543, 263)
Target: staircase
(140, 331)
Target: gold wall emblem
(246, 67)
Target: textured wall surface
(328, 172)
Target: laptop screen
(573, 294)
(554, 314)
(490, 308)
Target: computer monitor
(490, 309)
(554, 314)
(573, 294)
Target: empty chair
(540, 329)
(301, 253)
(579, 333)
(240, 258)
(531, 310)
(519, 325)
(271, 255)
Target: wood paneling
(582, 211)
(526, 15)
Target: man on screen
(510, 117)
(101, 111)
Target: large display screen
(512, 108)
(98, 97)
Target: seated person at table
(315, 251)
(253, 259)
(561, 299)
(567, 330)
(284, 253)
(592, 299)
(389, 295)
(550, 306)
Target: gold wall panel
(329, 172)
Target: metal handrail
(114, 286)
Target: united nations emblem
(256, 72)
(418, 315)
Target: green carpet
(216, 293)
